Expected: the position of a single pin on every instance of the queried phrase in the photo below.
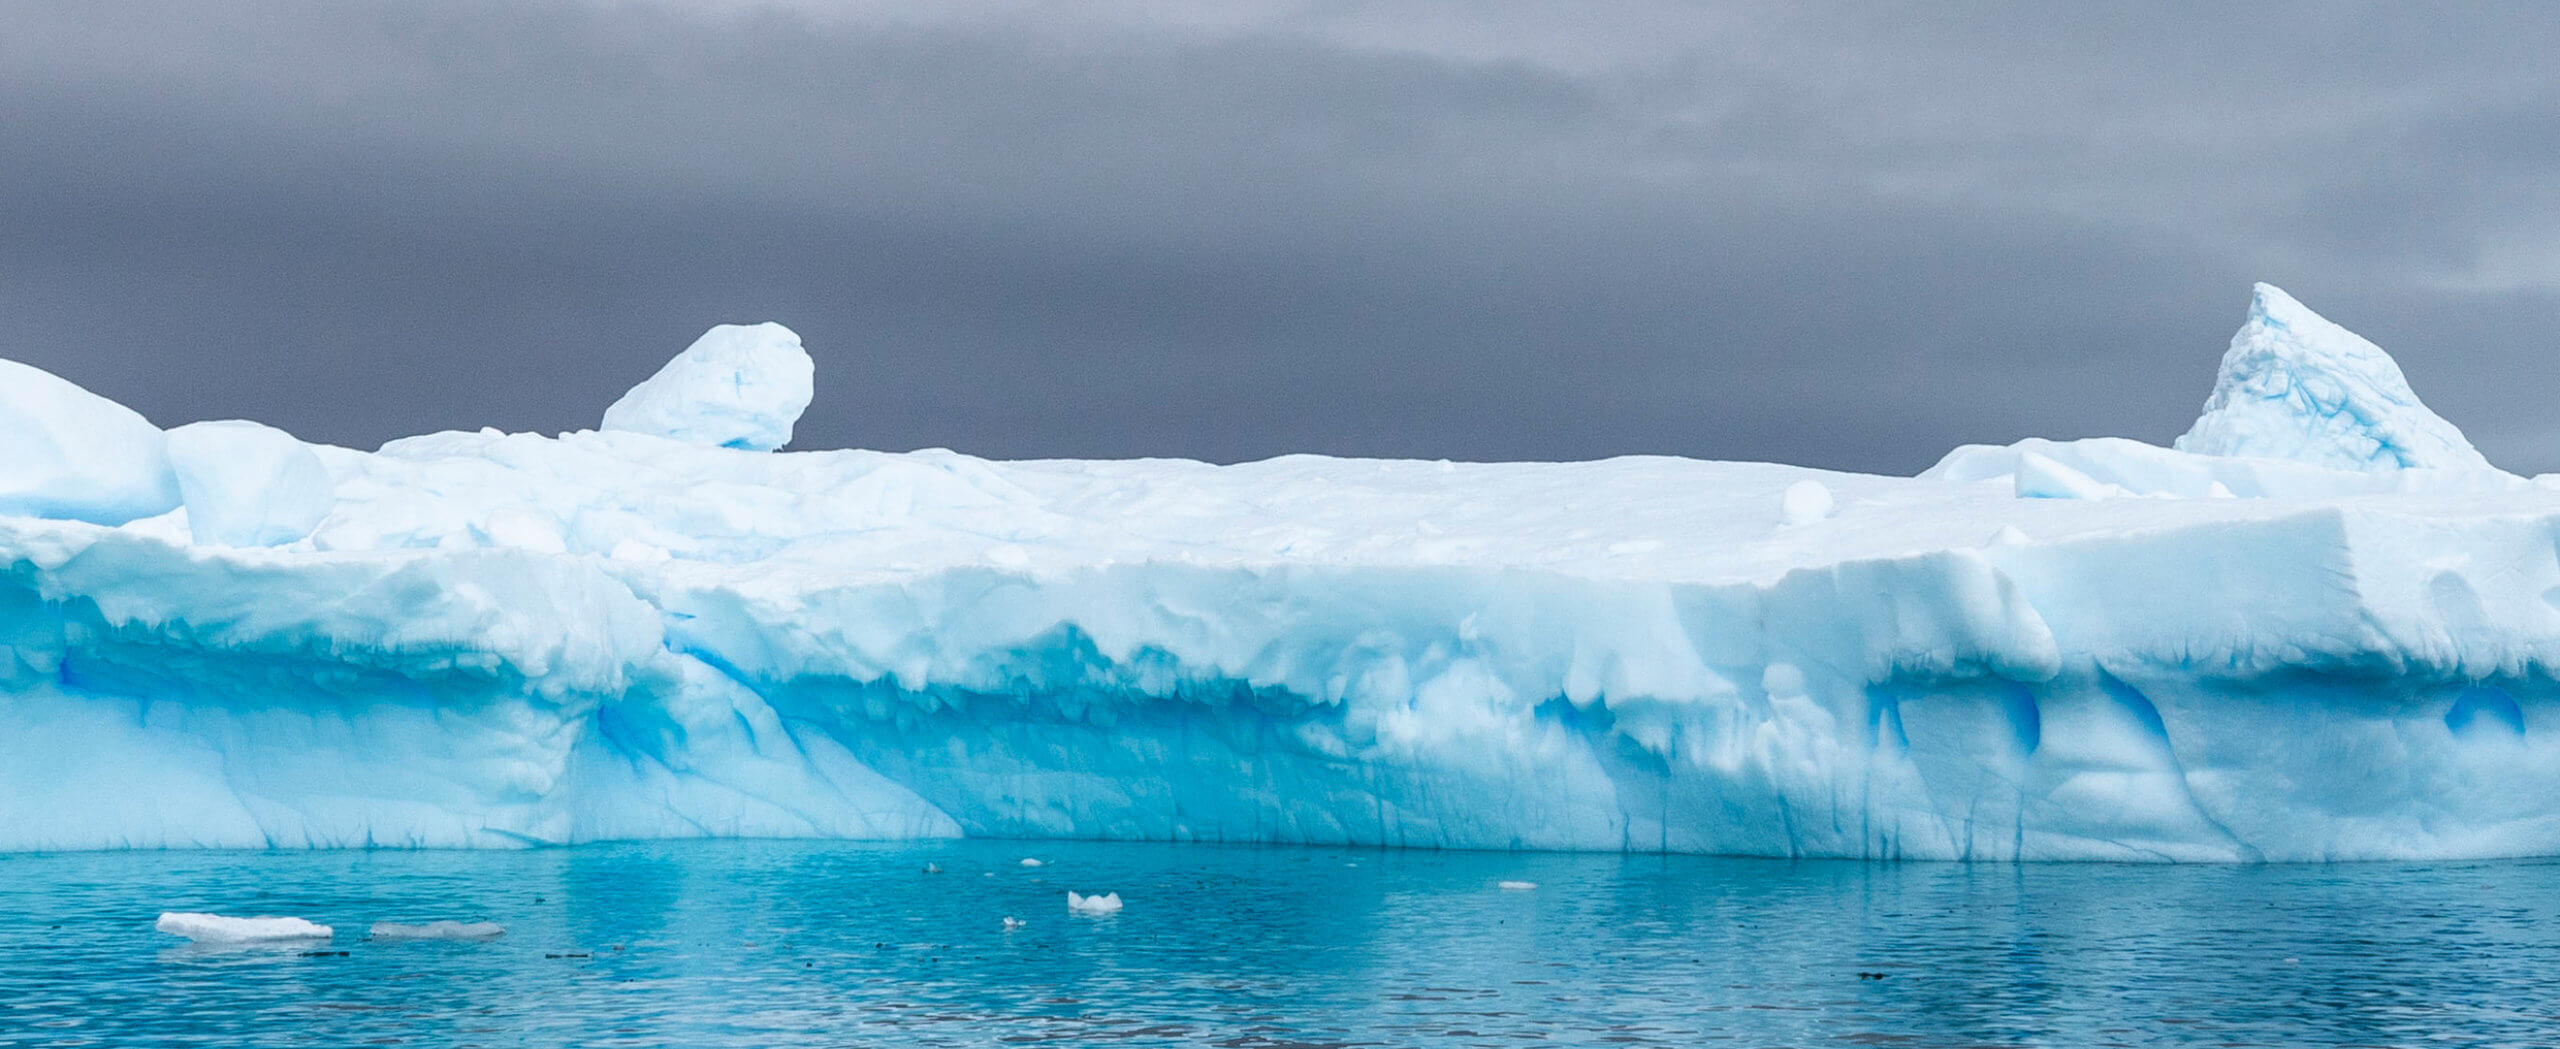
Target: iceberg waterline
(2055, 650)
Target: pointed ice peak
(2295, 386)
(2268, 302)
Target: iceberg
(215, 928)
(2330, 632)
(1093, 906)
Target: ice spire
(2295, 386)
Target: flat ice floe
(215, 928)
(2321, 627)
(437, 930)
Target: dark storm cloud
(1813, 234)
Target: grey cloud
(1816, 234)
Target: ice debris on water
(216, 928)
(1108, 903)
(437, 930)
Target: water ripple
(706, 944)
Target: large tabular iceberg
(2053, 650)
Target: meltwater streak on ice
(2094, 649)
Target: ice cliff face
(2082, 650)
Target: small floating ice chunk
(933, 868)
(438, 930)
(1805, 502)
(1029, 862)
(1516, 886)
(215, 928)
(1011, 923)
(1108, 903)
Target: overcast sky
(1817, 233)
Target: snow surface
(2093, 649)
(1805, 502)
(247, 484)
(215, 928)
(70, 454)
(738, 386)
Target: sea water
(704, 944)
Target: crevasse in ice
(2092, 649)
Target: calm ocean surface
(832, 944)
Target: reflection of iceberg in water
(2325, 628)
(831, 943)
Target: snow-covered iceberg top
(2295, 386)
(738, 386)
(2302, 408)
(2054, 650)
(69, 454)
